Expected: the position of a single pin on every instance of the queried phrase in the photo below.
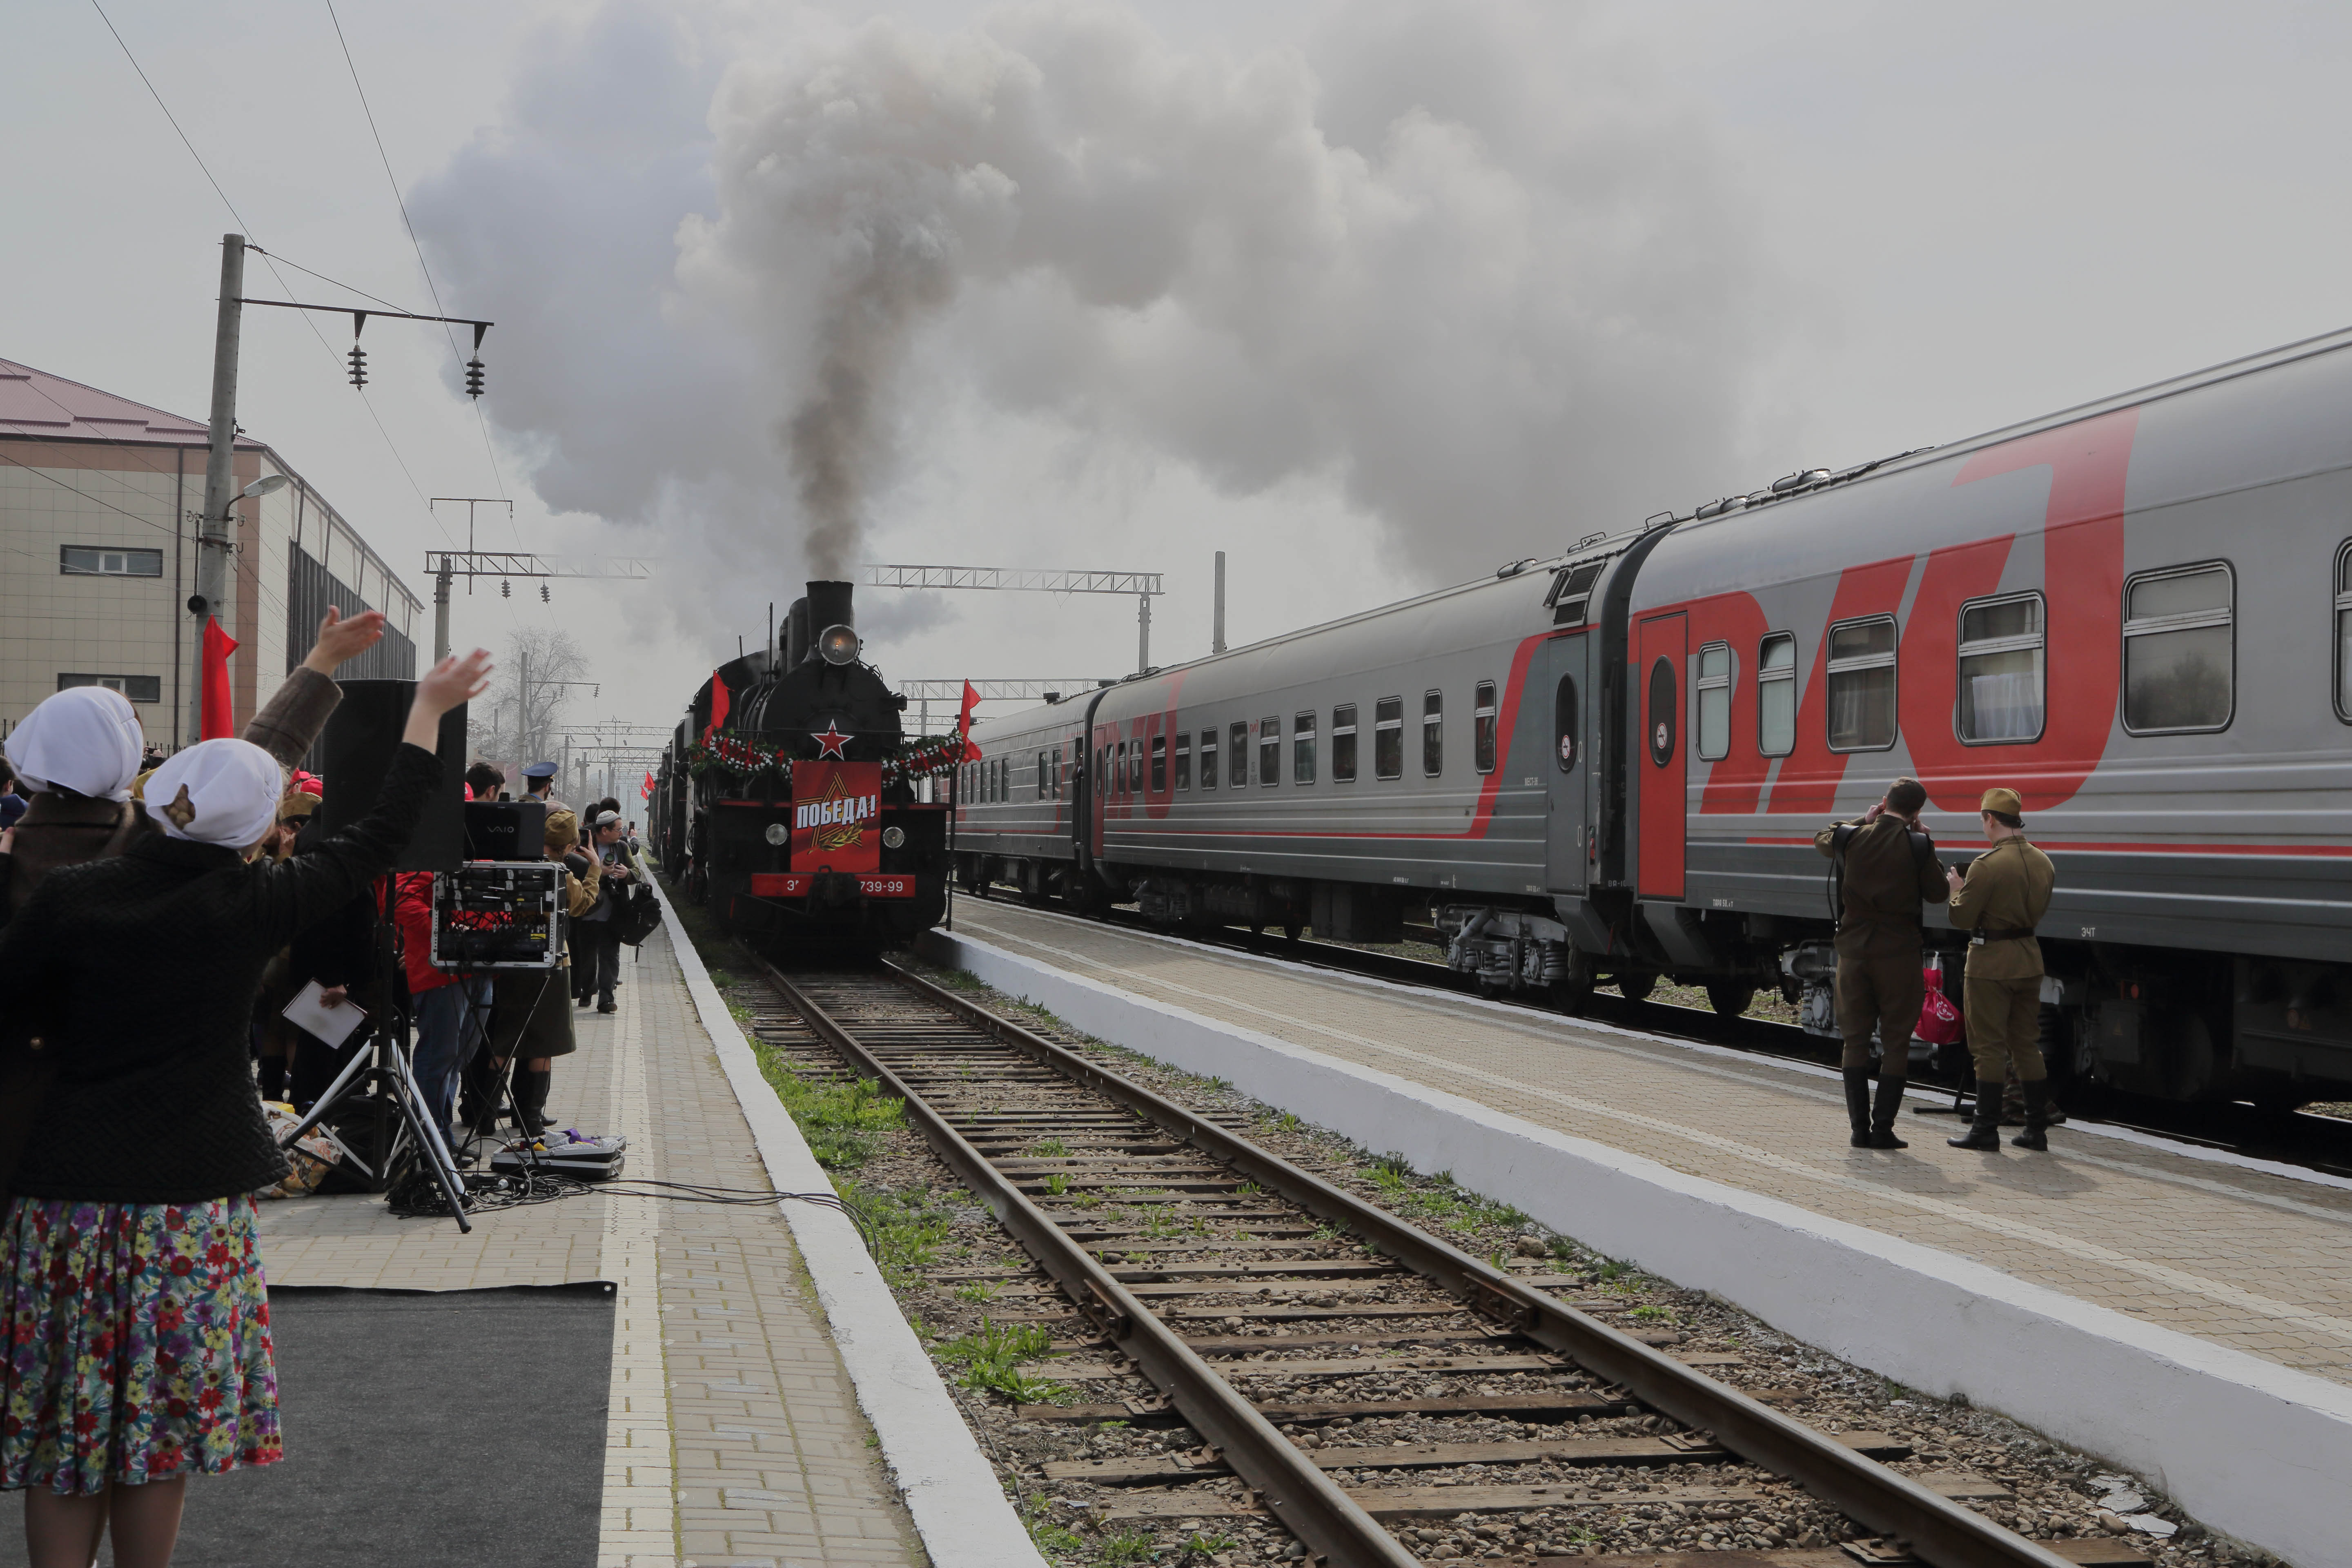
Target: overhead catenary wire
(270, 261)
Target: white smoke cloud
(1458, 263)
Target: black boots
(2037, 1116)
(1984, 1128)
(1882, 1120)
(530, 1098)
(1857, 1104)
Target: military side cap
(539, 771)
(2003, 800)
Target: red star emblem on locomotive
(830, 739)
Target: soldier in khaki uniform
(1890, 868)
(1999, 902)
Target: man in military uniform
(1889, 870)
(1999, 903)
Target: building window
(1343, 743)
(1563, 724)
(1776, 695)
(1432, 733)
(2344, 634)
(137, 688)
(98, 560)
(1237, 747)
(1160, 765)
(2001, 677)
(1713, 691)
(1302, 749)
(1269, 750)
(1184, 759)
(1861, 685)
(1209, 759)
(1482, 728)
(1388, 738)
(2180, 651)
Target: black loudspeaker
(356, 752)
(505, 829)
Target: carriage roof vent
(1053, 696)
(1513, 568)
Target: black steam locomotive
(786, 801)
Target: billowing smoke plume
(1455, 261)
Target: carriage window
(1302, 749)
(1237, 734)
(1044, 779)
(1861, 685)
(2001, 677)
(1135, 766)
(1184, 759)
(1776, 695)
(1004, 778)
(1432, 733)
(2344, 634)
(1343, 743)
(1269, 750)
(1713, 689)
(1482, 728)
(1388, 738)
(1057, 772)
(1208, 759)
(1160, 765)
(2178, 651)
(1563, 724)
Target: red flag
(216, 723)
(963, 722)
(717, 706)
(646, 791)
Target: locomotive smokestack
(832, 624)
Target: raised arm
(290, 723)
(307, 887)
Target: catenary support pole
(220, 471)
(1217, 615)
(441, 614)
(1142, 633)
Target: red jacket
(412, 911)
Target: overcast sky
(1371, 296)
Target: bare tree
(517, 719)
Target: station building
(100, 498)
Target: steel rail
(1306, 1501)
(1937, 1530)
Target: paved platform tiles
(2257, 1261)
(734, 1436)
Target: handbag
(636, 919)
(1940, 1022)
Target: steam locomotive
(786, 798)
(1607, 766)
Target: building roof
(35, 403)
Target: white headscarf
(231, 790)
(85, 739)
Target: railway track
(2316, 1142)
(1272, 1313)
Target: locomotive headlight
(778, 833)
(838, 644)
(892, 837)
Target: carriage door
(1563, 704)
(1661, 758)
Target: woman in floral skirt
(135, 1321)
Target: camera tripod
(382, 1074)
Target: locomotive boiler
(787, 798)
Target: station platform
(733, 1433)
(2180, 1310)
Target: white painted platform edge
(1536, 1021)
(960, 1509)
(2247, 1446)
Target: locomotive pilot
(1889, 870)
(1999, 903)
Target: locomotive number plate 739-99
(795, 885)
